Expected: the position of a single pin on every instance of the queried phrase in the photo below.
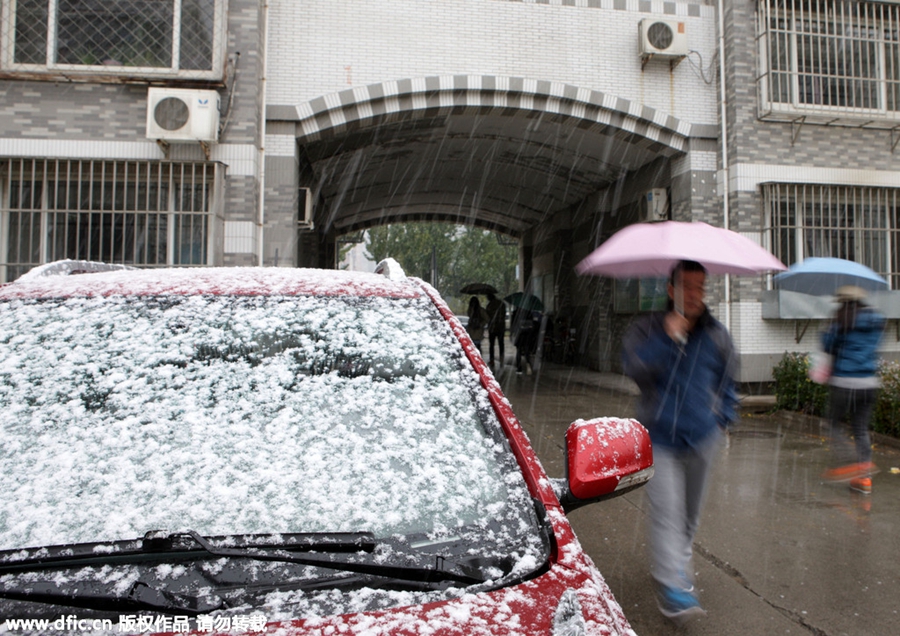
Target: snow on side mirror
(605, 458)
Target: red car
(280, 451)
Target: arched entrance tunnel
(556, 167)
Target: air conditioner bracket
(895, 138)
(673, 62)
(164, 146)
(796, 126)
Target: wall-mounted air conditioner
(305, 215)
(662, 38)
(182, 115)
(655, 205)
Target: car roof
(222, 281)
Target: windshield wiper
(312, 550)
(140, 597)
(158, 542)
(441, 570)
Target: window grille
(830, 61)
(140, 213)
(149, 38)
(856, 223)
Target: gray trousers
(676, 493)
(857, 405)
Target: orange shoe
(862, 484)
(845, 473)
(869, 468)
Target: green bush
(794, 391)
(886, 418)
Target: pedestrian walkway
(779, 550)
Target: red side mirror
(606, 457)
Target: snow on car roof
(226, 281)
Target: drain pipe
(261, 153)
(723, 123)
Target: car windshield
(241, 415)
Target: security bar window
(146, 214)
(169, 38)
(857, 223)
(830, 58)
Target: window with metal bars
(169, 38)
(829, 58)
(141, 213)
(856, 223)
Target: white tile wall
(752, 334)
(240, 159)
(240, 237)
(281, 145)
(322, 47)
(746, 177)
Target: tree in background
(463, 255)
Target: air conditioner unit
(662, 38)
(655, 205)
(305, 220)
(182, 115)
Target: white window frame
(878, 18)
(53, 70)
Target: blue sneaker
(678, 606)
(686, 584)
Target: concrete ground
(778, 551)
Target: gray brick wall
(86, 120)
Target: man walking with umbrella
(683, 360)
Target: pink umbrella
(645, 250)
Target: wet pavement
(778, 551)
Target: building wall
(346, 45)
(321, 47)
(761, 151)
(318, 49)
(82, 120)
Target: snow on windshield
(238, 415)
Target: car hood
(533, 607)
(572, 587)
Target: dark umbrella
(528, 302)
(478, 288)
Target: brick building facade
(336, 115)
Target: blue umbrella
(823, 276)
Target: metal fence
(125, 38)
(856, 223)
(830, 58)
(142, 213)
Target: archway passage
(500, 153)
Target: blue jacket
(686, 391)
(854, 349)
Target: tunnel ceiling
(498, 171)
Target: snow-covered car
(280, 451)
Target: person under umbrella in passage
(496, 311)
(684, 362)
(478, 320)
(852, 340)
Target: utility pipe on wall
(723, 123)
(261, 154)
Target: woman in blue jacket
(852, 339)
